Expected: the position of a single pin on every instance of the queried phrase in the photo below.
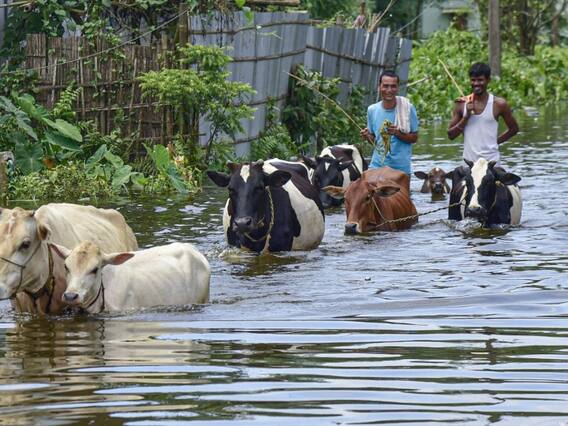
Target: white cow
(26, 267)
(176, 274)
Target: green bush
(536, 80)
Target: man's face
(479, 84)
(388, 88)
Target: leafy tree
(200, 90)
(526, 20)
(399, 15)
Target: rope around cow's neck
(414, 216)
(270, 225)
(101, 290)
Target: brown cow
(380, 195)
(434, 182)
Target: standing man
(477, 116)
(392, 126)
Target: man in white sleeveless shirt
(477, 117)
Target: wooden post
(183, 26)
(494, 38)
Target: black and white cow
(271, 207)
(487, 193)
(337, 165)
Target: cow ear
(278, 178)
(233, 167)
(43, 231)
(344, 165)
(469, 163)
(386, 190)
(218, 178)
(509, 179)
(310, 162)
(421, 175)
(62, 252)
(116, 258)
(335, 191)
(491, 164)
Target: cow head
(83, 267)
(481, 184)
(248, 186)
(361, 201)
(434, 182)
(24, 263)
(328, 171)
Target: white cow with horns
(175, 274)
(26, 264)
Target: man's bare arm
(512, 126)
(458, 122)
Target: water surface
(439, 324)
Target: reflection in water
(445, 322)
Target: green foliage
(111, 168)
(541, 79)
(275, 142)
(35, 135)
(325, 9)
(64, 107)
(200, 90)
(310, 115)
(64, 182)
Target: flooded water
(438, 324)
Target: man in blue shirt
(397, 117)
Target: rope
(270, 225)
(414, 216)
(22, 266)
(110, 49)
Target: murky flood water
(438, 324)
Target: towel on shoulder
(402, 120)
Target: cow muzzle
(350, 228)
(243, 224)
(479, 212)
(70, 297)
(438, 189)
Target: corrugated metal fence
(263, 53)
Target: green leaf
(59, 140)
(176, 179)
(115, 160)
(23, 122)
(28, 157)
(107, 3)
(159, 155)
(96, 157)
(66, 129)
(27, 104)
(7, 105)
(122, 176)
(240, 3)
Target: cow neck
(46, 291)
(270, 225)
(378, 211)
(100, 293)
(498, 184)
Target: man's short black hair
(480, 69)
(388, 73)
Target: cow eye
(94, 271)
(25, 245)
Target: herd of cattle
(80, 258)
